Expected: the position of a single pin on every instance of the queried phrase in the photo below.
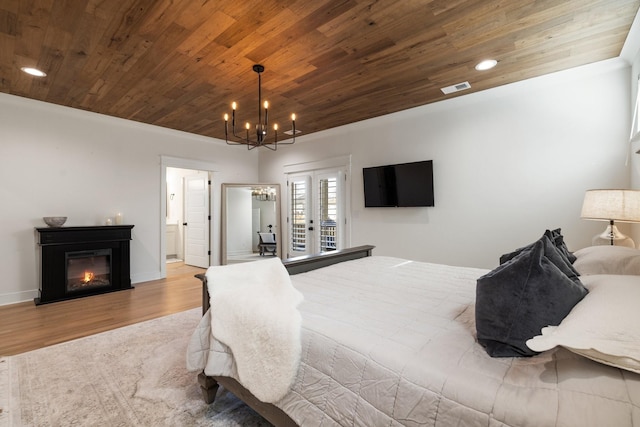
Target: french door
(316, 214)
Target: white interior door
(196, 224)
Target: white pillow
(607, 259)
(604, 326)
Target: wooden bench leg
(209, 387)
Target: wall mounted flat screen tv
(399, 185)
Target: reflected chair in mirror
(267, 243)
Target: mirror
(247, 211)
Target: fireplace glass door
(88, 270)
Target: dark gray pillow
(552, 252)
(556, 237)
(556, 256)
(520, 297)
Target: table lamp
(612, 205)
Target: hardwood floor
(25, 326)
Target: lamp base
(611, 236)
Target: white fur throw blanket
(254, 312)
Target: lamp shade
(618, 205)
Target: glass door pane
(327, 212)
(298, 216)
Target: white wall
(267, 214)
(508, 164)
(61, 161)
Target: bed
(392, 342)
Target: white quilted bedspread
(390, 342)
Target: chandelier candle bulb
(266, 116)
(233, 116)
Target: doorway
(316, 218)
(209, 231)
(187, 216)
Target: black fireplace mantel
(56, 242)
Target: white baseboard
(145, 277)
(16, 297)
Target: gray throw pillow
(519, 298)
(551, 251)
(556, 237)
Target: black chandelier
(261, 127)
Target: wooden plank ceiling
(180, 63)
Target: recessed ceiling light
(33, 71)
(487, 64)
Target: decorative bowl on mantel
(54, 221)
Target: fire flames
(88, 276)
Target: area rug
(132, 376)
